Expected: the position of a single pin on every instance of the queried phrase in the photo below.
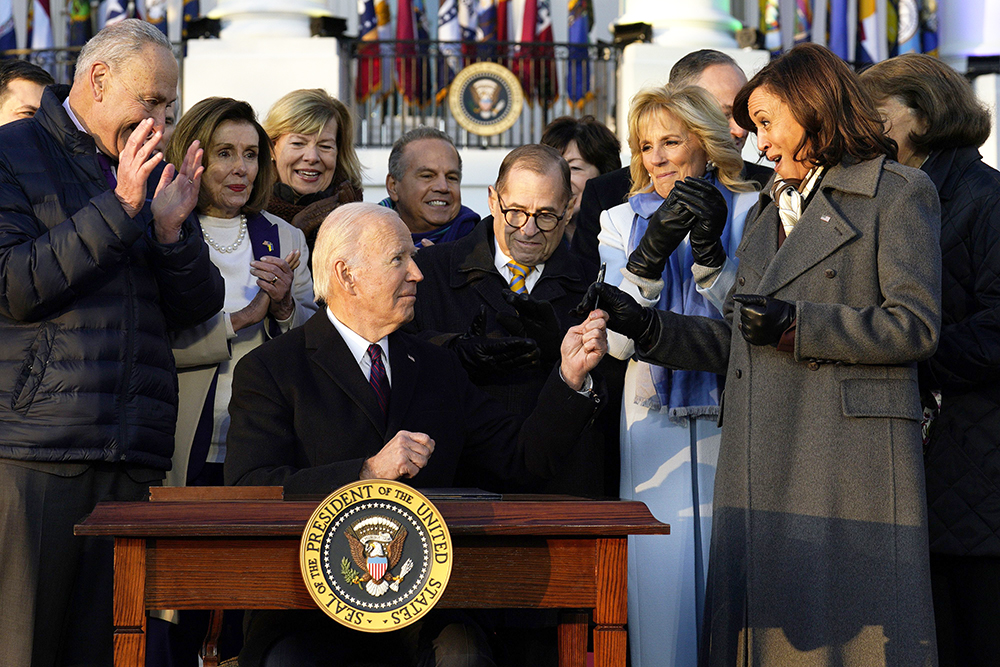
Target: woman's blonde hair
(701, 116)
(307, 111)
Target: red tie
(378, 379)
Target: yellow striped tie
(520, 273)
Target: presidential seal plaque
(486, 99)
(376, 555)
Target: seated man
(347, 396)
(424, 184)
(515, 277)
(21, 86)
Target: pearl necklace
(236, 244)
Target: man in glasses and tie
(349, 396)
(501, 299)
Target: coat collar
(946, 167)
(818, 234)
(54, 120)
(472, 262)
(327, 349)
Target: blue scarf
(683, 394)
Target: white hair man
(349, 396)
(99, 257)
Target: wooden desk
(519, 553)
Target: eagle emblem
(376, 547)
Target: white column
(682, 23)
(973, 29)
(264, 50)
(267, 18)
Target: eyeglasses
(544, 220)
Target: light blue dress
(669, 445)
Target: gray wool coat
(819, 538)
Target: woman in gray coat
(819, 536)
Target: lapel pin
(824, 218)
(411, 358)
(269, 245)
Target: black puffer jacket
(963, 456)
(86, 298)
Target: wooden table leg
(129, 602)
(573, 639)
(611, 612)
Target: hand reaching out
(583, 347)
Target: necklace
(236, 244)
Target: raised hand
(177, 194)
(624, 315)
(667, 227)
(403, 456)
(764, 319)
(135, 163)
(704, 201)
(274, 277)
(482, 356)
(535, 319)
(583, 347)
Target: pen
(600, 279)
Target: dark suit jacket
(608, 190)
(459, 278)
(304, 416)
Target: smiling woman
(318, 169)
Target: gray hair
(690, 67)
(397, 167)
(118, 42)
(339, 238)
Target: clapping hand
(704, 201)
(274, 277)
(535, 319)
(135, 163)
(667, 227)
(177, 194)
(482, 356)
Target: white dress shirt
(501, 260)
(359, 347)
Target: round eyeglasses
(546, 221)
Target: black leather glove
(535, 319)
(704, 201)
(763, 319)
(625, 316)
(667, 227)
(482, 356)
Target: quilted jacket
(86, 298)
(962, 459)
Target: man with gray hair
(99, 256)
(350, 396)
(424, 184)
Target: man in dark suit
(501, 298)
(715, 72)
(348, 396)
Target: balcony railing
(394, 86)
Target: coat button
(830, 273)
(742, 281)
(739, 373)
(813, 366)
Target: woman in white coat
(685, 177)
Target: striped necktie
(519, 273)
(378, 379)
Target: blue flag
(8, 38)
(581, 20)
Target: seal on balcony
(486, 99)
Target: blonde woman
(318, 169)
(685, 178)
